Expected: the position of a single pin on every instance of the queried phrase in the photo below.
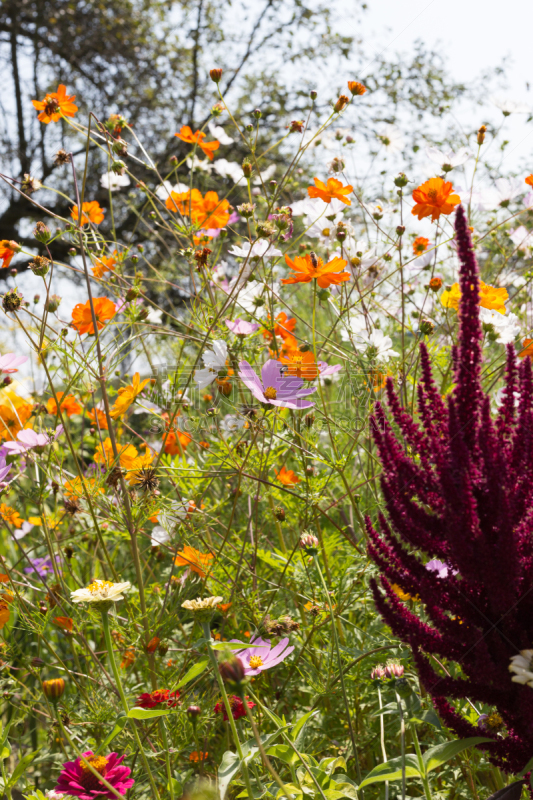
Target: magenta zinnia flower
(459, 490)
(77, 780)
(276, 388)
(263, 655)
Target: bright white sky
(472, 35)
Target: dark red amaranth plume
(462, 493)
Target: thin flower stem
(266, 760)
(116, 674)
(402, 740)
(421, 765)
(167, 758)
(227, 706)
(341, 674)
(382, 738)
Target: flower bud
(481, 134)
(232, 670)
(194, 711)
(356, 88)
(215, 74)
(401, 180)
(341, 103)
(313, 94)
(249, 128)
(279, 513)
(39, 266)
(309, 543)
(296, 126)
(265, 229)
(217, 110)
(400, 230)
(435, 284)
(132, 293)
(309, 420)
(378, 673)
(37, 662)
(42, 233)
(394, 670)
(257, 113)
(247, 168)
(246, 210)
(13, 272)
(53, 303)
(54, 689)
(162, 648)
(72, 252)
(337, 165)
(324, 294)
(118, 167)
(12, 300)
(427, 327)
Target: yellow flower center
(326, 232)
(271, 393)
(99, 763)
(256, 661)
(432, 194)
(100, 586)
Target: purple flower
(326, 369)
(276, 388)
(42, 566)
(242, 328)
(440, 568)
(28, 439)
(263, 655)
(77, 780)
(10, 363)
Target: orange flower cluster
(196, 561)
(68, 405)
(433, 198)
(82, 320)
(90, 212)
(55, 105)
(310, 267)
(205, 212)
(332, 190)
(10, 515)
(186, 135)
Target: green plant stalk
(7, 789)
(167, 758)
(222, 688)
(402, 740)
(266, 760)
(382, 739)
(114, 669)
(341, 674)
(421, 765)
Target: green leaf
(284, 752)
(20, 769)
(298, 728)
(147, 713)
(6, 752)
(229, 767)
(441, 753)
(392, 771)
(119, 725)
(193, 673)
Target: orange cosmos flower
(420, 245)
(82, 319)
(152, 645)
(283, 327)
(13, 418)
(4, 613)
(177, 442)
(195, 756)
(489, 297)
(205, 212)
(127, 394)
(196, 561)
(65, 623)
(186, 135)
(98, 419)
(333, 189)
(127, 454)
(529, 180)
(287, 477)
(310, 267)
(10, 515)
(7, 251)
(105, 264)
(135, 474)
(68, 404)
(301, 365)
(128, 658)
(356, 88)
(90, 212)
(433, 198)
(527, 349)
(55, 105)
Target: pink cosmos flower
(242, 328)
(77, 780)
(276, 388)
(263, 655)
(10, 363)
(28, 439)
(326, 369)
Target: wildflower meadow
(266, 474)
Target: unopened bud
(257, 113)
(309, 420)
(400, 230)
(215, 74)
(249, 128)
(378, 673)
(313, 94)
(72, 252)
(401, 180)
(42, 233)
(481, 134)
(194, 711)
(247, 168)
(54, 689)
(435, 284)
(427, 327)
(279, 513)
(309, 543)
(232, 671)
(341, 103)
(132, 293)
(53, 303)
(246, 210)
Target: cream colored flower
(101, 591)
(522, 666)
(205, 604)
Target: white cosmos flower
(100, 591)
(506, 326)
(111, 180)
(522, 666)
(391, 138)
(507, 189)
(159, 536)
(202, 604)
(248, 295)
(522, 239)
(229, 169)
(315, 208)
(214, 360)
(352, 326)
(508, 106)
(166, 188)
(447, 160)
(218, 132)
(199, 163)
(378, 346)
(260, 249)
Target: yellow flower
(10, 515)
(127, 454)
(127, 395)
(489, 297)
(134, 474)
